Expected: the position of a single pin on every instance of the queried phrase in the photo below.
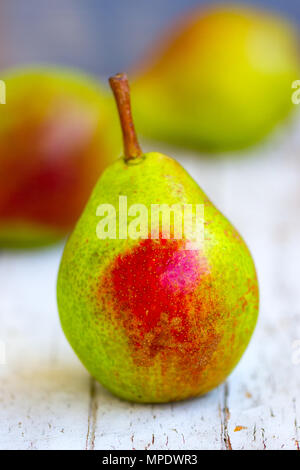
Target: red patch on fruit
(54, 169)
(156, 279)
(162, 295)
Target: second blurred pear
(219, 80)
(57, 133)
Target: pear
(155, 315)
(58, 131)
(219, 80)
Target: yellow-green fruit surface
(150, 318)
(220, 79)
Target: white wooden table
(48, 400)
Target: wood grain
(47, 399)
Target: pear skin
(57, 134)
(219, 80)
(152, 319)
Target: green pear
(156, 311)
(58, 131)
(220, 79)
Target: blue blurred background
(101, 36)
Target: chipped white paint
(47, 399)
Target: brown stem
(120, 87)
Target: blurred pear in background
(219, 79)
(57, 133)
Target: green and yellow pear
(155, 312)
(220, 79)
(58, 131)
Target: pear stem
(120, 87)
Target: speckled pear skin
(58, 131)
(150, 320)
(219, 80)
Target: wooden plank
(44, 390)
(49, 401)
